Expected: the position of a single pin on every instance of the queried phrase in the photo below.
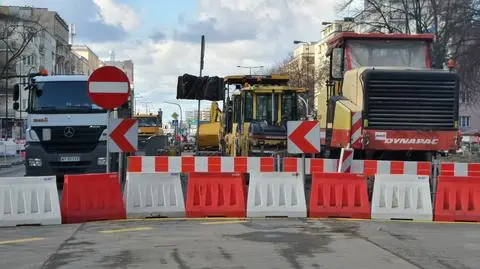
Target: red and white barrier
(460, 169)
(187, 164)
(371, 168)
(366, 167)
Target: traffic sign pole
(109, 88)
(108, 150)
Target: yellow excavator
(254, 117)
(210, 133)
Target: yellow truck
(149, 125)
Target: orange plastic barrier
(457, 199)
(216, 195)
(341, 195)
(91, 197)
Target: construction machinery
(254, 123)
(151, 137)
(383, 99)
(210, 133)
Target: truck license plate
(70, 159)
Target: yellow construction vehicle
(210, 133)
(384, 100)
(149, 126)
(254, 123)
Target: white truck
(66, 133)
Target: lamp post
(250, 67)
(135, 102)
(307, 80)
(180, 107)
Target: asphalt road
(258, 243)
(236, 244)
(14, 171)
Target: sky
(162, 37)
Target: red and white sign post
(303, 137)
(109, 88)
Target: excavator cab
(257, 113)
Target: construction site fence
(11, 153)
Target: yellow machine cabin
(149, 125)
(256, 115)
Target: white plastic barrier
(29, 200)
(276, 194)
(154, 195)
(401, 197)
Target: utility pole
(146, 106)
(202, 56)
(6, 80)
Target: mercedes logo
(69, 132)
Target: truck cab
(66, 133)
(384, 100)
(149, 125)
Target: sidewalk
(9, 161)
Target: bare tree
(303, 73)
(454, 23)
(16, 34)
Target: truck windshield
(289, 106)
(147, 122)
(395, 53)
(71, 96)
(264, 108)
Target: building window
(464, 121)
(464, 97)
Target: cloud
(158, 36)
(117, 14)
(214, 30)
(94, 23)
(238, 32)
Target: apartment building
(191, 115)
(128, 67)
(44, 35)
(87, 60)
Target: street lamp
(307, 80)
(180, 107)
(250, 67)
(135, 102)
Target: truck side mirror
(16, 106)
(16, 92)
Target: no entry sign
(108, 87)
